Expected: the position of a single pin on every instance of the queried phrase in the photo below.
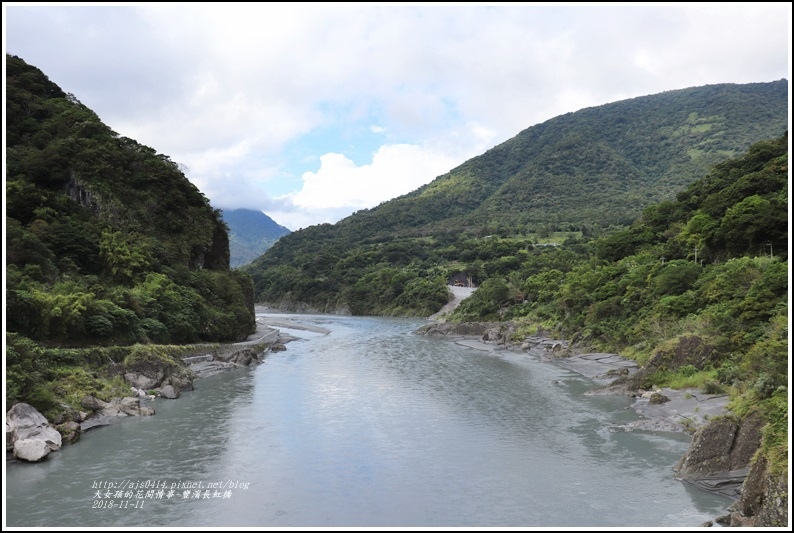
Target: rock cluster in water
(29, 436)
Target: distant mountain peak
(251, 232)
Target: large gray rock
(720, 454)
(183, 379)
(764, 501)
(456, 328)
(70, 431)
(657, 398)
(242, 357)
(132, 407)
(168, 391)
(96, 422)
(128, 406)
(142, 381)
(31, 450)
(91, 403)
(29, 434)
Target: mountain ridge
(586, 172)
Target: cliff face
(719, 457)
(764, 500)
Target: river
(369, 426)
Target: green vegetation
(575, 177)
(695, 289)
(107, 244)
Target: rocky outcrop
(149, 377)
(764, 501)
(70, 431)
(686, 350)
(168, 392)
(226, 357)
(501, 334)
(28, 434)
(454, 328)
(682, 351)
(243, 356)
(128, 406)
(144, 382)
(657, 398)
(719, 457)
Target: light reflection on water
(372, 426)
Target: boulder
(681, 351)
(658, 398)
(96, 422)
(29, 434)
(142, 381)
(710, 449)
(110, 408)
(238, 357)
(168, 391)
(91, 403)
(31, 450)
(719, 456)
(132, 407)
(182, 379)
(70, 431)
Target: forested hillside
(581, 174)
(107, 242)
(696, 290)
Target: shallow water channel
(369, 426)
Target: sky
(309, 112)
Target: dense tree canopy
(106, 240)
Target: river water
(369, 426)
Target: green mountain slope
(250, 234)
(587, 172)
(696, 290)
(107, 240)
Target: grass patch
(687, 380)
(72, 384)
(703, 380)
(157, 355)
(639, 353)
(774, 442)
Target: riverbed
(361, 423)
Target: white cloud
(226, 89)
(395, 170)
